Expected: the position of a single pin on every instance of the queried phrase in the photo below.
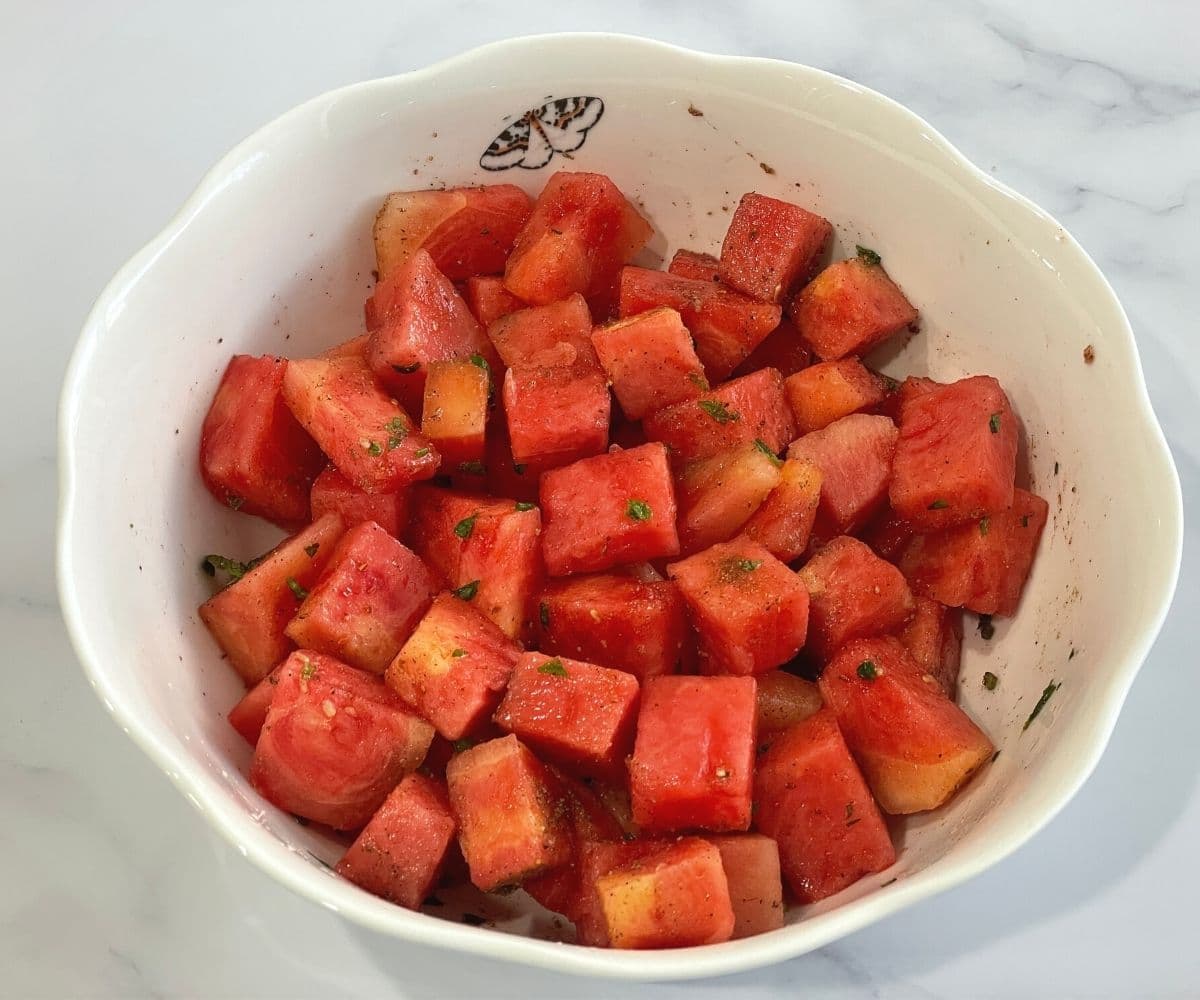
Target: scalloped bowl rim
(203, 791)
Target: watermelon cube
(509, 811)
(850, 307)
(783, 349)
(333, 493)
(650, 361)
(751, 863)
(486, 546)
(693, 758)
(367, 601)
(718, 495)
(726, 325)
(455, 411)
(488, 299)
(783, 522)
(401, 851)
(355, 347)
(854, 455)
(581, 231)
(454, 667)
(853, 594)
(956, 457)
(751, 610)
(674, 898)
(981, 565)
(557, 407)
(526, 332)
(609, 510)
(784, 699)
(770, 245)
(254, 456)
(363, 431)
(249, 714)
(916, 747)
(831, 390)
(695, 265)
(810, 797)
(466, 231)
(248, 618)
(624, 623)
(576, 714)
(335, 742)
(750, 408)
(598, 858)
(933, 639)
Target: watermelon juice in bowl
(624, 460)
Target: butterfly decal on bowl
(558, 126)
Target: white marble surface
(110, 884)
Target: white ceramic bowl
(273, 254)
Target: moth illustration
(558, 126)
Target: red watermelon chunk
(367, 601)
(831, 390)
(454, 667)
(333, 493)
(510, 820)
(956, 458)
(254, 456)
(751, 610)
(355, 347)
(582, 230)
(335, 742)
(693, 759)
(854, 593)
(933, 639)
(810, 797)
(520, 335)
(915, 746)
(783, 349)
(466, 231)
(609, 510)
(249, 714)
(455, 411)
(650, 361)
(751, 863)
(576, 714)
(784, 521)
(854, 455)
(747, 409)
(363, 431)
(401, 852)
(849, 308)
(557, 407)
(598, 858)
(718, 495)
(488, 299)
(770, 245)
(981, 565)
(695, 265)
(249, 616)
(725, 325)
(628, 624)
(676, 897)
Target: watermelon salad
(635, 589)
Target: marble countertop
(110, 885)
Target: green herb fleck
(458, 654)
(231, 567)
(1047, 694)
(994, 423)
(554, 668)
(766, 449)
(890, 384)
(296, 589)
(397, 431)
(986, 628)
(421, 453)
(374, 448)
(461, 745)
(464, 527)
(867, 256)
(473, 468)
(479, 361)
(544, 614)
(235, 502)
(308, 671)
(638, 510)
(467, 591)
(407, 369)
(698, 380)
(1024, 520)
(990, 680)
(731, 569)
(718, 411)
(311, 550)
(851, 819)
(867, 670)
(938, 505)
(524, 505)
(985, 525)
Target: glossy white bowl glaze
(273, 254)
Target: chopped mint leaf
(554, 668)
(296, 589)
(718, 411)
(464, 527)
(638, 510)
(1047, 694)
(868, 256)
(766, 449)
(867, 670)
(467, 591)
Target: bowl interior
(274, 254)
